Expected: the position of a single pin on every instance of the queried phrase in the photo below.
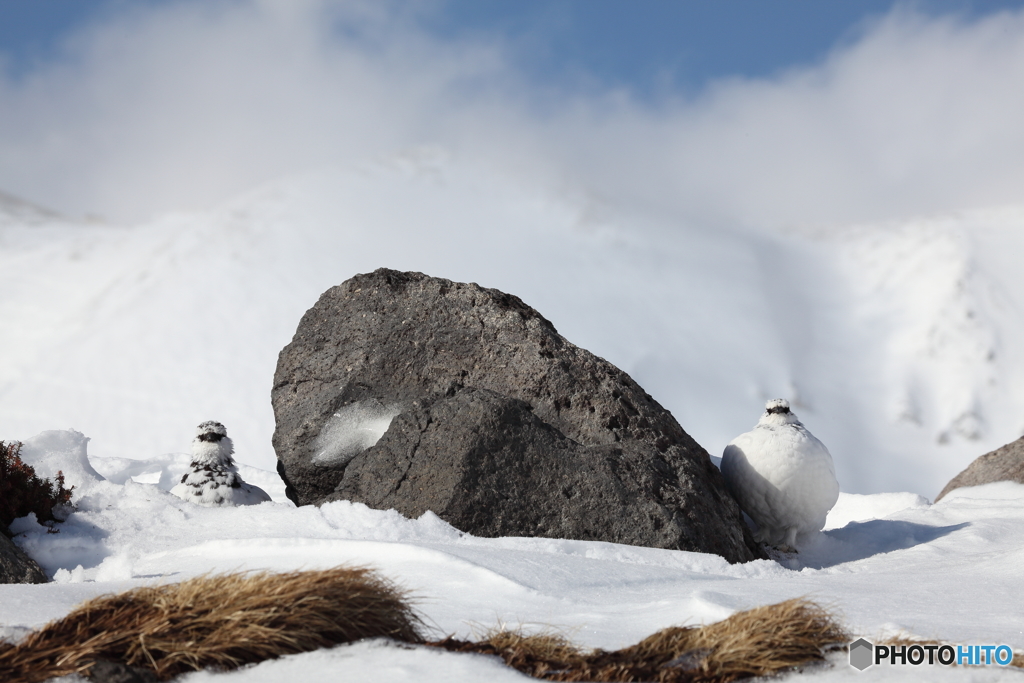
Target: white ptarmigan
(782, 476)
(212, 479)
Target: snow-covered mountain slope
(896, 343)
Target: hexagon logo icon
(861, 652)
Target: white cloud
(180, 105)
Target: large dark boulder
(490, 419)
(15, 565)
(484, 462)
(1003, 464)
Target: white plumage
(212, 479)
(782, 476)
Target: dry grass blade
(542, 656)
(758, 642)
(767, 639)
(215, 621)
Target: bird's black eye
(211, 436)
(778, 409)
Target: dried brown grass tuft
(758, 642)
(215, 621)
(226, 621)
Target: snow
(897, 343)
(948, 570)
(894, 342)
(58, 450)
(351, 430)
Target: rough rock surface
(1003, 464)
(15, 565)
(490, 419)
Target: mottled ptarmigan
(782, 476)
(212, 479)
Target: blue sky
(732, 111)
(681, 45)
(648, 46)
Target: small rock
(1003, 464)
(15, 565)
(107, 671)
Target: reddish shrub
(22, 492)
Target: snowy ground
(887, 562)
(897, 344)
